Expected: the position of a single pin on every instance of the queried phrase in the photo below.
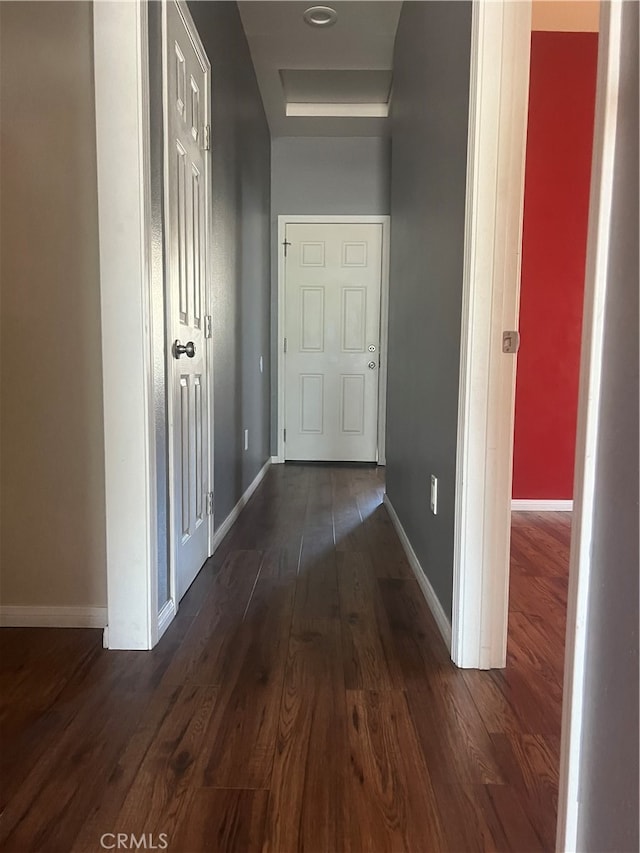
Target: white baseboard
(52, 617)
(535, 505)
(166, 616)
(277, 460)
(229, 521)
(428, 591)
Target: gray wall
(347, 175)
(323, 175)
(240, 279)
(53, 513)
(608, 817)
(428, 175)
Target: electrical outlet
(246, 439)
(434, 494)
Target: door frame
(498, 108)
(192, 32)
(384, 220)
(124, 212)
(135, 617)
(485, 432)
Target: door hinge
(285, 344)
(285, 243)
(208, 333)
(209, 503)
(206, 137)
(284, 434)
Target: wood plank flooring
(301, 701)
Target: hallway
(302, 700)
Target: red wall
(557, 175)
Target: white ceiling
(361, 40)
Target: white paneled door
(186, 119)
(333, 276)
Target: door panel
(352, 405)
(187, 86)
(332, 319)
(354, 312)
(311, 404)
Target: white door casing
(121, 77)
(186, 73)
(501, 36)
(333, 275)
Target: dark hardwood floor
(302, 700)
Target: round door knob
(372, 365)
(187, 349)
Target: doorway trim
(121, 30)
(498, 105)
(384, 220)
(136, 619)
(480, 587)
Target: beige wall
(52, 501)
(573, 16)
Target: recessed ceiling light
(320, 16)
